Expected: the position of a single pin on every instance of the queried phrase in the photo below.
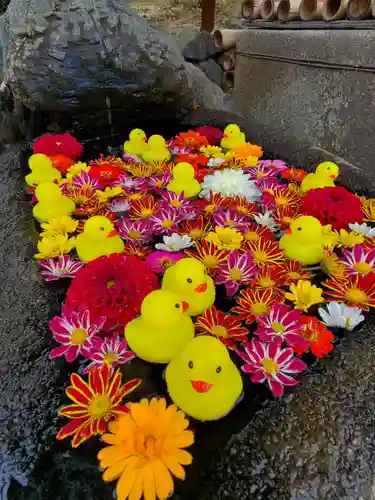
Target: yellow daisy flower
(304, 295)
(61, 225)
(225, 238)
(54, 246)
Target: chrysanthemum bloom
(253, 304)
(237, 270)
(267, 220)
(212, 134)
(268, 362)
(76, 331)
(60, 225)
(286, 215)
(247, 149)
(196, 229)
(270, 277)
(363, 229)
(225, 327)
(333, 266)
(281, 322)
(209, 254)
(62, 163)
(119, 205)
(260, 172)
(359, 260)
(176, 202)
(165, 221)
(265, 252)
(160, 261)
(144, 208)
(338, 315)
(113, 351)
(351, 239)
(146, 169)
(230, 183)
(112, 286)
(317, 336)
(254, 232)
(62, 267)
(356, 290)
(279, 165)
(95, 403)
(175, 243)
(136, 250)
(137, 232)
(293, 174)
(55, 245)
(76, 169)
(209, 206)
(211, 151)
(267, 184)
(85, 180)
(368, 209)
(225, 238)
(109, 192)
(304, 295)
(281, 196)
(158, 182)
(241, 206)
(191, 140)
(293, 272)
(229, 218)
(58, 144)
(132, 183)
(146, 447)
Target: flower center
(99, 406)
(210, 208)
(219, 331)
(363, 268)
(281, 201)
(111, 284)
(176, 203)
(165, 262)
(196, 233)
(251, 236)
(235, 274)
(309, 333)
(134, 235)
(269, 365)
(78, 337)
(294, 275)
(225, 238)
(145, 212)
(260, 256)
(266, 282)
(356, 296)
(110, 357)
(259, 308)
(278, 328)
(167, 223)
(210, 261)
(228, 223)
(260, 175)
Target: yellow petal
(111, 455)
(173, 466)
(137, 489)
(126, 481)
(185, 439)
(149, 491)
(111, 439)
(183, 457)
(114, 471)
(163, 480)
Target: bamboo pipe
(251, 9)
(311, 10)
(225, 39)
(334, 9)
(227, 60)
(359, 9)
(288, 10)
(268, 9)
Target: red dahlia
(58, 144)
(212, 134)
(112, 286)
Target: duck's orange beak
(112, 234)
(200, 386)
(185, 306)
(332, 176)
(288, 231)
(225, 136)
(201, 288)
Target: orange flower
(197, 229)
(354, 290)
(253, 304)
(265, 252)
(191, 140)
(285, 215)
(270, 277)
(293, 174)
(280, 197)
(61, 162)
(147, 169)
(254, 232)
(248, 149)
(95, 403)
(243, 207)
(144, 208)
(318, 337)
(136, 250)
(293, 272)
(208, 253)
(368, 209)
(209, 207)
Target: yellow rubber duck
(324, 176)
(52, 204)
(233, 137)
(184, 180)
(188, 279)
(98, 238)
(163, 328)
(157, 150)
(304, 240)
(203, 381)
(42, 170)
(137, 143)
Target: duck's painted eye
(177, 306)
(189, 280)
(299, 228)
(190, 364)
(218, 369)
(101, 228)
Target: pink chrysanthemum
(261, 172)
(119, 205)
(159, 182)
(134, 231)
(281, 322)
(176, 149)
(176, 202)
(278, 165)
(76, 331)
(230, 218)
(62, 267)
(84, 180)
(160, 260)
(113, 351)
(235, 271)
(130, 183)
(268, 362)
(165, 221)
(359, 260)
(269, 183)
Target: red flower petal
(77, 396)
(73, 411)
(70, 428)
(78, 383)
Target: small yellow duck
(324, 176)
(52, 204)
(137, 143)
(203, 381)
(162, 330)
(157, 150)
(233, 137)
(98, 238)
(304, 240)
(184, 180)
(188, 279)
(42, 170)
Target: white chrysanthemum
(230, 183)
(266, 220)
(341, 316)
(175, 243)
(363, 229)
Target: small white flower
(340, 315)
(363, 229)
(175, 243)
(119, 205)
(266, 220)
(215, 162)
(230, 183)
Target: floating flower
(332, 265)
(62, 267)
(293, 174)
(241, 206)
(85, 180)
(260, 172)
(113, 351)
(341, 316)
(281, 196)
(293, 272)
(176, 202)
(108, 193)
(355, 290)
(229, 218)
(174, 243)
(147, 169)
(191, 140)
(165, 221)
(211, 205)
(235, 271)
(196, 229)
(363, 229)
(278, 165)
(359, 260)
(211, 151)
(254, 233)
(247, 149)
(95, 403)
(350, 240)
(225, 238)
(304, 295)
(144, 208)
(53, 246)
(161, 260)
(225, 327)
(136, 250)
(212, 134)
(284, 216)
(368, 209)
(58, 144)
(270, 277)
(253, 304)
(265, 252)
(134, 231)
(76, 169)
(107, 170)
(317, 336)
(267, 220)
(268, 362)
(230, 183)
(146, 447)
(76, 331)
(60, 225)
(62, 163)
(159, 182)
(209, 254)
(135, 183)
(119, 205)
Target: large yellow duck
(184, 180)
(163, 328)
(324, 176)
(203, 381)
(42, 170)
(304, 240)
(188, 279)
(98, 238)
(157, 150)
(233, 137)
(52, 204)
(137, 143)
